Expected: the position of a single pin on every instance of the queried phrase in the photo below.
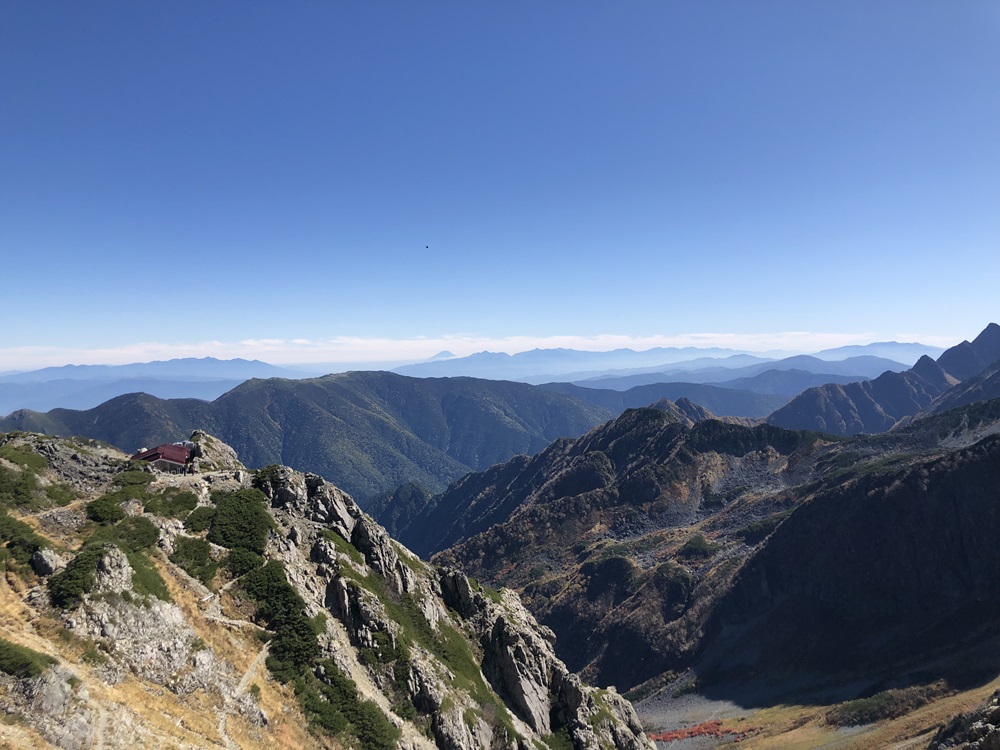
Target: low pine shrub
(105, 509)
(241, 520)
(67, 587)
(199, 519)
(194, 555)
(172, 502)
(21, 662)
(133, 534)
(20, 540)
(241, 561)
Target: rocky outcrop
(384, 634)
(977, 730)
(46, 561)
(212, 454)
(310, 497)
(114, 574)
(56, 704)
(521, 665)
(368, 577)
(144, 635)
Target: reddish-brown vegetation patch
(712, 728)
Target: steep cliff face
(647, 544)
(870, 573)
(256, 609)
(605, 536)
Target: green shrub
(241, 561)
(241, 520)
(889, 704)
(320, 712)
(334, 705)
(131, 535)
(194, 555)
(698, 546)
(146, 579)
(21, 662)
(559, 740)
(199, 519)
(756, 531)
(105, 509)
(19, 538)
(172, 502)
(133, 478)
(59, 493)
(18, 488)
(24, 457)
(294, 646)
(67, 587)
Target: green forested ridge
(368, 432)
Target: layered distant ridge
(878, 405)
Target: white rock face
(55, 704)
(45, 562)
(519, 661)
(211, 454)
(114, 574)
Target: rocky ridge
(652, 548)
(443, 661)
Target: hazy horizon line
(346, 350)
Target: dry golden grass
(239, 647)
(166, 719)
(804, 727)
(16, 735)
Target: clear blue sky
(175, 174)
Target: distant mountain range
(908, 353)
(893, 397)
(368, 432)
(86, 386)
(188, 367)
(718, 400)
(544, 365)
(861, 367)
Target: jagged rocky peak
(506, 690)
(213, 454)
(258, 608)
(686, 411)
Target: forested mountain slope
(367, 431)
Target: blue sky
(321, 181)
